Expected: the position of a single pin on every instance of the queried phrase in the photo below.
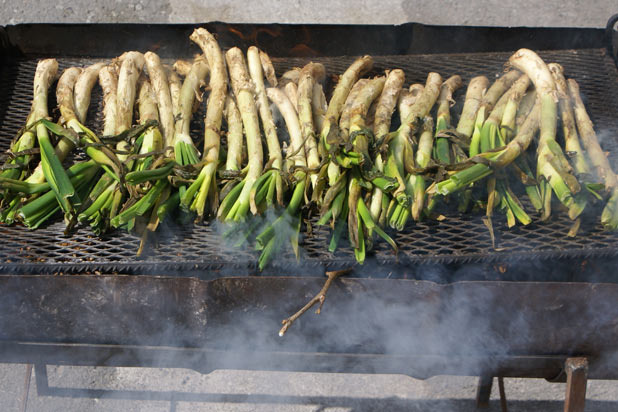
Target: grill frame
(460, 239)
(29, 341)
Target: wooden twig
(319, 298)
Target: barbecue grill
(448, 303)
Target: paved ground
(132, 389)
(488, 12)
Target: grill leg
(483, 391)
(42, 383)
(577, 378)
(503, 405)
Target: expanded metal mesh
(201, 247)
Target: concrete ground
(141, 389)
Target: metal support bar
(483, 391)
(577, 378)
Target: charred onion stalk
(490, 98)
(484, 164)
(329, 135)
(14, 169)
(94, 210)
(474, 97)
(442, 149)
(37, 210)
(287, 226)
(148, 140)
(381, 127)
(571, 139)
(160, 198)
(400, 151)
(268, 189)
(51, 164)
(609, 217)
(360, 172)
(161, 88)
(184, 151)
(98, 152)
(175, 86)
(443, 118)
(205, 185)
(552, 165)
(465, 127)
(235, 205)
(234, 158)
(406, 161)
(107, 197)
(312, 74)
(494, 135)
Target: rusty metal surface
(366, 324)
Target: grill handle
(611, 33)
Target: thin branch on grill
(319, 298)
(269, 187)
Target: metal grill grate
(199, 248)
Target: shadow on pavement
(353, 404)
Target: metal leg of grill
(503, 406)
(42, 382)
(577, 377)
(483, 391)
